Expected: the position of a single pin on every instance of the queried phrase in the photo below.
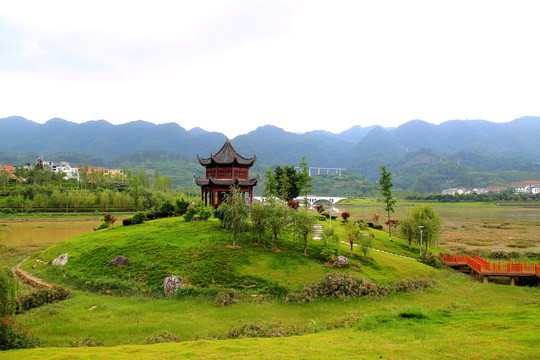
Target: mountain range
(476, 144)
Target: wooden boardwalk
(483, 269)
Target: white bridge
(311, 199)
(322, 170)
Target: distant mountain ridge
(272, 145)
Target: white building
(63, 166)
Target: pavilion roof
(227, 156)
(227, 182)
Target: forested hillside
(423, 157)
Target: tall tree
(236, 214)
(386, 191)
(287, 182)
(270, 186)
(353, 232)
(425, 216)
(303, 224)
(258, 219)
(304, 179)
(276, 214)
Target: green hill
(198, 252)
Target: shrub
(9, 211)
(319, 208)
(326, 215)
(293, 204)
(102, 226)
(205, 213)
(181, 206)
(341, 286)
(8, 292)
(166, 209)
(29, 211)
(13, 335)
(126, 222)
(162, 337)
(87, 342)
(413, 285)
(226, 297)
(321, 217)
(109, 219)
(263, 330)
(190, 214)
(151, 215)
(41, 297)
(138, 218)
(434, 260)
(345, 215)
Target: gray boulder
(171, 285)
(119, 261)
(341, 261)
(61, 260)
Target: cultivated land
(459, 319)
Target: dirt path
(29, 279)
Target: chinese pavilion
(224, 170)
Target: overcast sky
(231, 66)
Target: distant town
(520, 187)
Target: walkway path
(29, 279)
(318, 229)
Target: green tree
(287, 182)
(386, 191)
(303, 225)
(237, 213)
(408, 228)
(425, 216)
(304, 179)
(276, 214)
(330, 247)
(353, 232)
(270, 186)
(366, 242)
(258, 219)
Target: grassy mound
(198, 253)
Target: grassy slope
(461, 319)
(198, 252)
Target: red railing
(483, 266)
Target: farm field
(455, 319)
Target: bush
(126, 222)
(138, 218)
(434, 260)
(190, 214)
(326, 215)
(9, 211)
(226, 297)
(181, 206)
(87, 342)
(205, 213)
(13, 335)
(293, 204)
(166, 209)
(8, 292)
(413, 285)
(321, 217)
(341, 286)
(102, 226)
(41, 297)
(345, 215)
(162, 337)
(151, 215)
(263, 330)
(29, 211)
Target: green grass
(198, 252)
(460, 319)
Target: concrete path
(29, 279)
(318, 229)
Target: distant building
(454, 191)
(64, 167)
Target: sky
(232, 66)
